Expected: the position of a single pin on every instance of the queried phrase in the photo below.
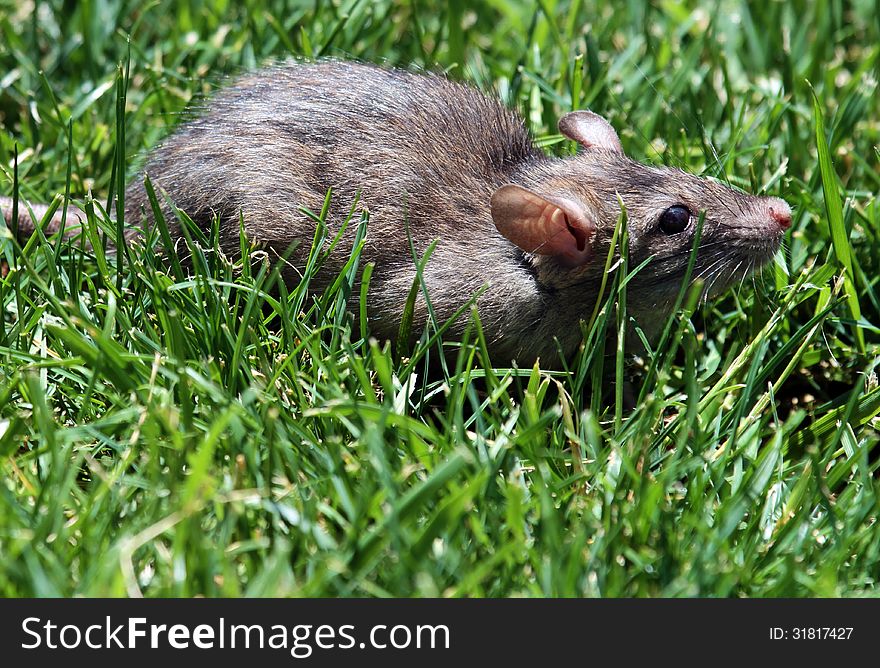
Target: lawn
(214, 433)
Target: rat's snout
(779, 212)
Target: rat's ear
(590, 131)
(544, 225)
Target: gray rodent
(454, 165)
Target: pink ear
(590, 131)
(544, 225)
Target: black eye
(674, 219)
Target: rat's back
(279, 138)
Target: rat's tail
(74, 224)
(23, 227)
(25, 224)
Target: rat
(433, 160)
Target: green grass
(215, 434)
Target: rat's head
(563, 213)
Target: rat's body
(449, 164)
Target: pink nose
(780, 212)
